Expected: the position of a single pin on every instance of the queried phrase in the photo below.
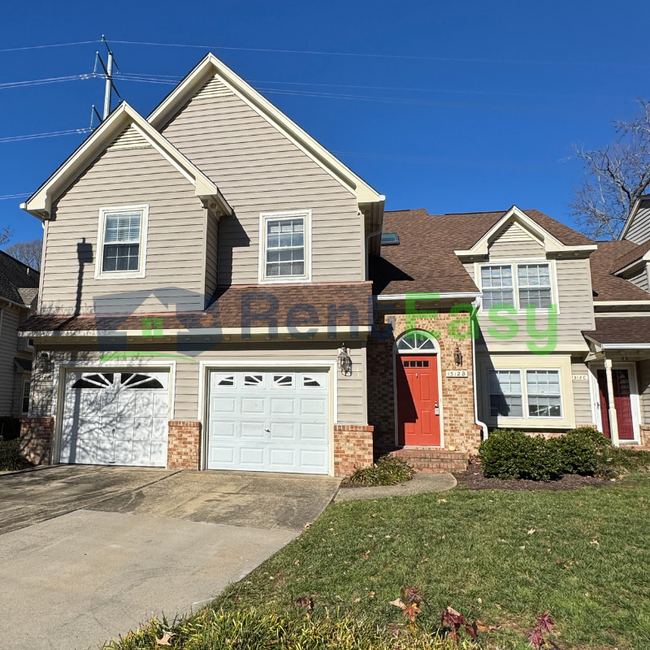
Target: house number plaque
(456, 373)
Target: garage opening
(275, 421)
(115, 417)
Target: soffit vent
(130, 138)
(214, 88)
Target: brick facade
(352, 448)
(459, 430)
(36, 439)
(183, 444)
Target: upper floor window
(121, 242)
(518, 285)
(284, 246)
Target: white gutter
(484, 428)
(208, 331)
(441, 296)
(625, 346)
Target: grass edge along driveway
(500, 556)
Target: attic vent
(214, 88)
(130, 138)
(514, 233)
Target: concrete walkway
(421, 482)
(93, 552)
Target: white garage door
(115, 418)
(269, 421)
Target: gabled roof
(40, 203)
(555, 236)
(426, 259)
(18, 282)
(211, 66)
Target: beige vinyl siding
(640, 279)
(639, 230)
(574, 299)
(8, 348)
(174, 250)
(514, 242)
(258, 169)
(581, 392)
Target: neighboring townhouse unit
(561, 322)
(18, 299)
(205, 301)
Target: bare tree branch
(614, 178)
(27, 252)
(5, 235)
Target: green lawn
(499, 556)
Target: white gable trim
(550, 243)
(40, 203)
(209, 67)
(633, 213)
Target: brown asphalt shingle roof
(607, 286)
(18, 282)
(425, 260)
(635, 329)
(226, 310)
(630, 257)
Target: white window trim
(264, 217)
(523, 372)
(513, 264)
(99, 255)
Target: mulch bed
(474, 480)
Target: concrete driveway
(87, 553)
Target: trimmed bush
(578, 451)
(389, 470)
(10, 458)
(510, 454)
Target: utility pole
(109, 83)
(109, 86)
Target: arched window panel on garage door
(95, 380)
(134, 380)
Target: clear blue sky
(483, 116)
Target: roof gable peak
(210, 67)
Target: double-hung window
(498, 288)
(539, 397)
(544, 395)
(121, 249)
(534, 285)
(517, 285)
(285, 247)
(505, 393)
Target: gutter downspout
(474, 331)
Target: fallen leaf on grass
(411, 612)
(531, 531)
(423, 560)
(165, 640)
(398, 603)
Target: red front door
(418, 401)
(622, 402)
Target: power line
(41, 47)
(14, 196)
(36, 136)
(40, 82)
(381, 56)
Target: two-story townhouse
(18, 300)
(548, 303)
(205, 300)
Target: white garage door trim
(60, 368)
(327, 366)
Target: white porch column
(611, 406)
